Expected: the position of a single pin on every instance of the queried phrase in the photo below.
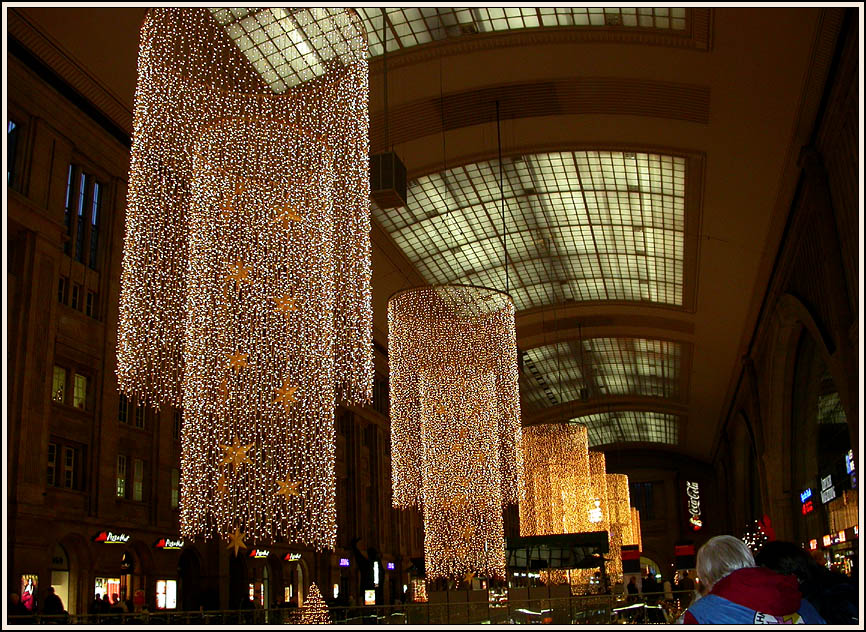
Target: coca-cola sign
(693, 498)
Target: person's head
(787, 558)
(51, 590)
(719, 557)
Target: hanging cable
(385, 75)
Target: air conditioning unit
(387, 180)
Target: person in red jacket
(738, 592)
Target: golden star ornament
(236, 454)
(236, 540)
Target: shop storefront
(167, 555)
(294, 578)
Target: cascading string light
(557, 488)
(635, 528)
(599, 520)
(620, 521)
(556, 475)
(245, 287)
(455, 422)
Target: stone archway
(80, 590)
(189, 574)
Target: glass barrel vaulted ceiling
(290, 46)
(630, 425)
(603, 366)
(581, 226)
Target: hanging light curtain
(455, 422)
(245, 285)
(620, 520)
(556, 475)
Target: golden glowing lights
(315, 610)
(241, 199)
(455, 422)
(557, 479)
(620, 520)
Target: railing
(591, 609)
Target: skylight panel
(613, 366)
(602, 225)
(630, 426)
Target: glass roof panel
(290, 46)
(630, 425)
(306, 37)
(555, 374)
(582, 226)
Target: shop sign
(369, 597)
(813, 544)
(344, 561)
(806, 494)
(259, 553)
(807, 507)
(828, 491)
(107, 537)
(167, 544)
(390, 566)
(292, 557)
(694, 502)
(849, 462)
(827, 540)
(840, 537)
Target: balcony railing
(593, 609)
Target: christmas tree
(315, 609)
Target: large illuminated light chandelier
(455, 422)
(556, 475)
(245, 287)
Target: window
(642, 498)
(51, 478)
(62, 286)
(90, 305)
(96, 202)
(178, 421)
(79, 393)
(121, 476)
(82, 215)
(67, 211)
(139, 416)
(123, 409)
(13, 130)
(137, 478)
(79, 224)
(69, 467)
(58, 387)
(175, 488)
(76, 291)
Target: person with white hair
(738, 592)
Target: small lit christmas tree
(315, 609)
